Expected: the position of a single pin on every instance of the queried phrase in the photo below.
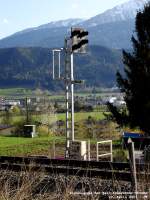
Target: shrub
(119, 156)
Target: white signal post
(72, 98)
(67, 83)
(74, 44)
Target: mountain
(112, 29)
(53, 24)
(114, 35)
(47, 35)
(124, 12)
(31, 67)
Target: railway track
(104, 170)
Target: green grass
(15, 91)
(82, 115)
(61, 116)
(97, 94)
(57, 97)
(17, 146)
(29, 92)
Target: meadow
(19, 146)
(59, 116)
(15, 92)
(41, 145)
(83, 115)
(29, 146)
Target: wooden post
(111, 149)
(54, 154)
(97, 152)
(89, 151)
(133, 164)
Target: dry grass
(31, 185)
(39, 186)
(144, 184)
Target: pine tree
(136, 82)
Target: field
(16, 146)
(83, 115)
(15, 92)
(31, 146)
(31, 92)
(42, 145)
(60, 116)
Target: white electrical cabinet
(78, 150)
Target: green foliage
(19, 126)
(136, 84)
(44, 131)
(117, 114)
(78, 106)
(120, 156)
(7, 117)
(92, 128)
(15, 110)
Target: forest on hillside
(32, 67)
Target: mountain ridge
(122, 12)
(112, 29)
(53, 24)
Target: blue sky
(16, 15)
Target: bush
(44, 131)
(19, 128)
(119, 156)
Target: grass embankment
(17, 146)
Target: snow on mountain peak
(60, 23)
(53, 24)
(125, 11)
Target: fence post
(133, 164)
(54, 154)
(111, 151)
(89, 151)
(97, 151)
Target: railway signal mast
(75, 44)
